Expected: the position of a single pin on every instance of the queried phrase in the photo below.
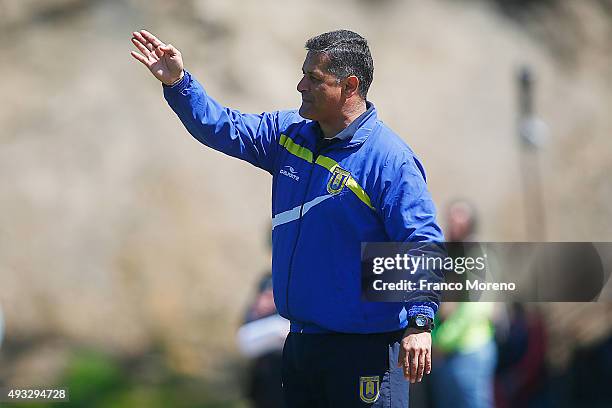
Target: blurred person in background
(463, 338)
(462, 221)
(590, 374)
(1, 327)
(367, 187)
(521, 375)
(261, 339)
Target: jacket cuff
(180, 85)
(428, 309)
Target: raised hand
(163, 60)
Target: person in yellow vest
(463, 336)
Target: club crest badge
(337, 180)
(369, 389)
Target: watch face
(420, 320)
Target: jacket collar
(353, 135)
(348, 132)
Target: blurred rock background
(120, 233)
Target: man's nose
(301, 86)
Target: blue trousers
(343, 371)
(465, 380)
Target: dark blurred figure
(461, 222)
(591, 375)
(465, 351)
(261, 338)
(519, 9)
(1, 327)
(263, 304)
(521, 373)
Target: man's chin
(306, 113)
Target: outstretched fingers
(141, 47)
(151, 38)
(153, 44)
(153, 50)
(145, 55)
(140, 58)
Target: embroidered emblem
(369, 389)
(337, 180)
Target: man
(1, 327)
(340, 178)
(261, 339)
(464, 337)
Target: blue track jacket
(367, 188)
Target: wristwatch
(421, 322)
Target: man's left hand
(415, 354)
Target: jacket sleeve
(249, 137)
(409, 217)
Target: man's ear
(351, 85)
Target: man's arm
(253, 138)
(409, 216)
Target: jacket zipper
(297, 239)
